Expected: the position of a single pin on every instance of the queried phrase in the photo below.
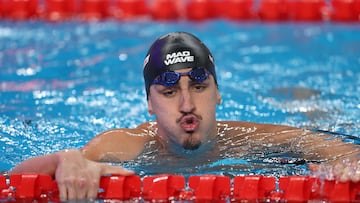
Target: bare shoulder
(257, 131)
(309, 144)
(119, 144)
(258, 127)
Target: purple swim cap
(174, 51)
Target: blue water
(62, 83)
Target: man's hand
(343, 171)
(78, 177)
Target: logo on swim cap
(178, 57)
(211, 58)
(146, 60)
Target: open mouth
(189, 123)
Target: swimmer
(182, 92)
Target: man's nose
(186, 102)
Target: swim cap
(174, 51)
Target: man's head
(182, 91)
(175, 51)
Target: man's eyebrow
(162, 87)
(192, 82)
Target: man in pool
(182, 92)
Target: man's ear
(218, 97)
(150, 110)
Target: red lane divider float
(238, 10)
(120, 187)
(192, 10)
(255, 188)
(203, 188)
(163, 187)
(210, 187)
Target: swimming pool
(62, 83)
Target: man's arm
(76, 176)
(341, 159)
(78, 172)
(45, 164)
(117, 144)
(338, 159)
(311, 145)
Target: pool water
(63, 83)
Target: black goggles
(169, 79)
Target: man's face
(185, 113)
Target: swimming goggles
(170, 78)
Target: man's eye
(199, 87)
(169, 92)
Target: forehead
(184, 70)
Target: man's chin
(191, 145)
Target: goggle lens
(169, 79)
